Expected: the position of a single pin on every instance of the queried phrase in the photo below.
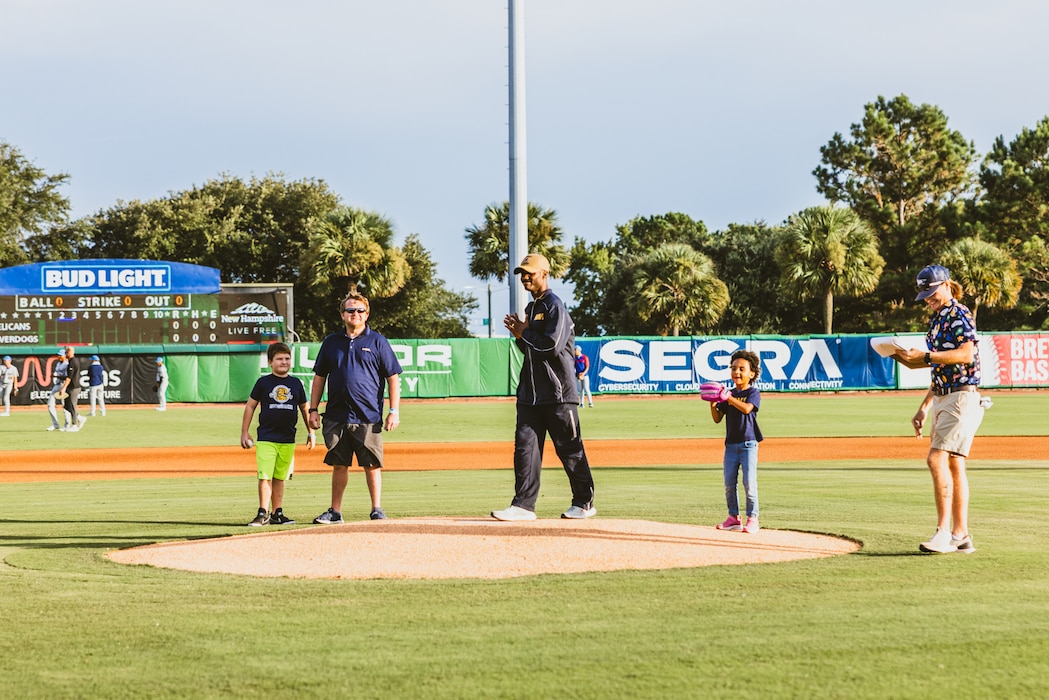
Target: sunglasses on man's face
(351, 310)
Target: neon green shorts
(274, 459)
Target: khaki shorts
(346, 441)
(955, 418)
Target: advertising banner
(676, 365)
(126, 378)
(431, 368)
(1009, 360)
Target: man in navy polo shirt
(358, 364)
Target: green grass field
(885, 622)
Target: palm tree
(677, 287)
(987, 272)
(352, 249)
(826, 251)
(490, 242)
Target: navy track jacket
(548, 373)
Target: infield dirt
(479, 547)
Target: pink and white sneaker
(731, 523)
(752, 525)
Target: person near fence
(582, 373)
(71, 390)
(160, 385)
(96, 391)
(55, 396)
(8, 383)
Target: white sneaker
(5, 413)
(72, 429)
(53, 427)
(80, 422)
(513, 514)
(963, 544)
(939, 544)
(577, 513)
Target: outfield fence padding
(479, 367)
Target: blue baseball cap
(929, 279)
(94, 357)
(159, 360)
(7, 357)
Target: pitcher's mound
(479, 548)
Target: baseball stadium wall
(480, 367)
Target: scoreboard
(196, 319)
(101, 316)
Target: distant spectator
(71, 389)
(96, 392)
(582, 373)
(8, 383)
(161, 385)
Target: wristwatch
(928, 358)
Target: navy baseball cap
(929, 279)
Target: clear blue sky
(714, 109)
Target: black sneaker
(279, 518)
(328, 517)
(378, 514)
(260, 519)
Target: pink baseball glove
(714, 392)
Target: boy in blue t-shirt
(280, 396)
(742, 435)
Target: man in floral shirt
(955, 403)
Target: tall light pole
(518, 165)
(489, 309)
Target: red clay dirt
(154, 463)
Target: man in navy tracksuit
(547, 397)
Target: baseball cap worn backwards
(929, 279)
(532, 263)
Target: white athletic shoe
(53, 427)
(939, 544)
(513, 514)
(577, 513)
(80, 422)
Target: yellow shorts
(274, 459)
(955, 418)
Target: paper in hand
(886, 346)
